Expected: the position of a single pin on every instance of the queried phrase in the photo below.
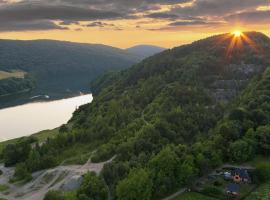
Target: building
(233, 189)
(240, 176)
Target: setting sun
(237, 33)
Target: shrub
(262, 173)
(54, 195)
(21, 173)
(212, 191)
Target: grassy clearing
(12, 74)
(261, 193)
(41, 136)
(77, 154)
(193, 196)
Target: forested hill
(171, 118)
(59, 66)
(145, 51)
(151, 114)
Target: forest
(164, 121)
(13, 85)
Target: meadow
(12, 74)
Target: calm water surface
(30, 118)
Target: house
(233, 189)
(240, 175)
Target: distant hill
(60, 68)
(145, 51)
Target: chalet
(240, 176)
(233, 189)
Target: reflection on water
(30, 118)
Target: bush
(217, 183)
(262, 173)
(54, 195)
(212, 191)
(21, 173)
(93, 187)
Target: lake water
(31, 118)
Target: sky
(124, 23)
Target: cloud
(250, 17)
(22, 12)
(41, 14)
(29, 26)
(99, 24)
(192, 23)
(68, 22)
(104, 25)
(162, 15)
(218, 7)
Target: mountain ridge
(58, 67)
(145, 50)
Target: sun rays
(238, 41)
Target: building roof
(232, 187)
(241, 172)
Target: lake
(31, 118)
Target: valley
(57, 69)
(166, 121)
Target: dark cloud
(99, 24)
(201, 12)
(250, 17)
(219, 7)
(162, 15)
(29, 26)
(68, 22)
(104, 25)
(191, 23)
(23, 12)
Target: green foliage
(58, 65)
(212, 191)
(261, 193)
(170, 170)
(262, 173)
(241, 151)
(136, 186)
(15, 85)
(54, 195)
(63, 128)
(21, 173)
(193, 196)
(262, 136)
(93, 187)
(18, 152)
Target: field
(12, 74)
(193, 196)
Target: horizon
(139, 44)
(125, 24)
